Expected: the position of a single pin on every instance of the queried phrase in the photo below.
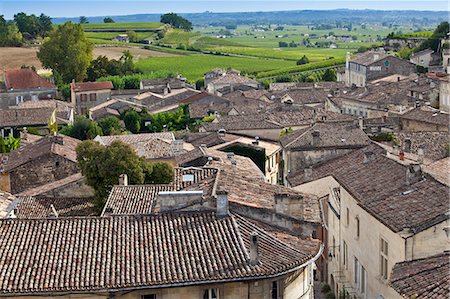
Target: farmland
(125, 26)
(193, 67)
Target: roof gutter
(181, 284)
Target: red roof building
(26, 79)
(90, 86)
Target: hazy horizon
(70, 9)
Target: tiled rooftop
(91, 86)
(62, 255)
(40, 207)
(427, 116)
(26, 79)
(423, 278)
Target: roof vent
(123, 179)
(53, 213)
(222, 204)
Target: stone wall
(299, 160)
(417, 126)
(45, 169)
(9, 98)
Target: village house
(207, 254)
(155, 147)
(378, 212)
(218, 79)
(114, 107)
(24, 85)
(444, 94)
(424, 119)
(158, 102)
(422, 58)
(124, 38)
(323, 141)
(47, 160)
(164, 85)
(372, 65)
(85, 95)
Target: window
(362, 286)
(357, 227)
(93, 97)
(383, 258)
(348, 217)
(276, 290)
(151, 296)
(211, 294)
(345, 253)
(19, 99)
(356, 271)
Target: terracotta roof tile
(91, 86)
(40, 207)
(25, 79)
(136, 251)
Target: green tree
(405, 52)
(83, 20)
(83, 128)
(67, 51)
(162, 173)
(28, 24)
(45, 25)
(9, 34)
(102, 166)
(303, 60)
(132, 121)
(434, 40)
(108, 20)
(110, 125)
(132, 35)
(329, 75)
(176, 21)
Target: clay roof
(427, 116)
(39, 148)
(197, 139)
(134, 138)
(423, 52)
(423, 278)
(40, 207)
(434, 144)
(25, 117)
(91, 86)
(380, 186)
(145, 252)
(233, 78)
(340, 135)
(369, 57)
(25, 79)
(52, 185)
(6, 201)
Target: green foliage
(303, 60)
(325, 288)
(421, 69)
(286, 131)
(208, 119)
(32, 26)
(162, 173)
(64, 90)
(383, 137)
(108, 20)
(176, 21)
(83, 128)
(132, 121)
(67, 51)
(83, 20)
(171, 121)
(258, 156)
(329, 75)
(133, 81)
(102, 67)
(434, 40)
(110, 125)
(132, 36)
(9, 34)
(102, 166)
(200, 83)
(405, 52)
(9, 144)
(330, 295)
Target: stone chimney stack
(123, 179)
(308, 173)
(368, 156)
(316, 138)
(254, 251)
(420, 155)
(222, 207)
(413, 174)
(256, 141)
(360, 123)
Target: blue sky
(62, 8)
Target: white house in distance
(422, 58)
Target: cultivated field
(13, 58)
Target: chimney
(308, 173)
(398, 79)
(24, 134)
(256, 141)
(222, 207)
(413, 174)
(221, 132)
(360, 123)
(123, 179)
(316, 138)
(288, 203)
(177, 147)
(420, 155)
(347, 60)
(254, 252)
(58, 139)
(368, 156)
(175, 200)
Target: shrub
(325, 288)
(330, 295)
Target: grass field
(126, 26)
(110, 35)
(193, 67)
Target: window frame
(210, 295)
(384, 258)
(358, 227)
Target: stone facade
(84, 100)
(40, 171)
(444, 95)
(14, 97)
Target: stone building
(318, 143)
(25, 85)
(372, 65)
(218, 79)
(444, 94)
(47, 160)
(85, 95)
(422, 58)
(378, 212)
(424, 119)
